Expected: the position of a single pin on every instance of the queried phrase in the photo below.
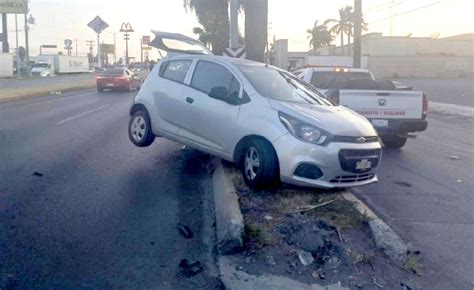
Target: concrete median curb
(20, 93)
(385, 238)
(229, 219)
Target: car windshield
(335, 80)
(282, 86)
(40, 65)
(112, 72)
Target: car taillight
(100, 77)
(425, 106)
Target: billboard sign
(98, 25)
(107, 48)
(146, 40)
(14, 6)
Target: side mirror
(221, 93)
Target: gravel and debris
(314, 237)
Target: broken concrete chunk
(185, 231)
(305, 258)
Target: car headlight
(304, 131)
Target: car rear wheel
(259, 164)
(395, 142)
(100, 90)
(139, 129)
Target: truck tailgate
(383, 104)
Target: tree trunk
(256, 21)
(349, 43)
(220, 39)
(342, 42)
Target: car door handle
(189, 100)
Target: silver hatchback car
(274, 126)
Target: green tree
(341, 26)
(319, 36)
(203, 36)
(213, 15)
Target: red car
(118, 79)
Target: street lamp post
(126, 29)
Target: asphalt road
(449, 91)
(104, 213)
(426, 193)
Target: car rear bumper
(403, 127)
(293, 153)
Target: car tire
(100, 90)
(139, 129)
(259, 164)
(395, 142)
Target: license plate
(364, 164)
(110, 85)
(380, 123)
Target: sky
(57, 20)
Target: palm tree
(213, 15)
(319, 36)
(256, 19)
(340, 26)
(203, 36)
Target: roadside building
(407, 56)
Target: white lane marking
(81, 114)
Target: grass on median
(286, 199)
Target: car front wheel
(260, 165)
(139, 129)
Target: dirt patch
(314, 237)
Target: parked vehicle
(394, 112)
(6, 65)
(267, 121)
(49, 65)
(118, 79)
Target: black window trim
(241, 88)
(167, 62)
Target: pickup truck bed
(394, 113)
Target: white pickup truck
(394, 113)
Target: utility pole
(234, 25)
(141, 50)
(126, 29)
(357, 33)
(75, 40)
(27, 46)
(99, 61)
(115, 49)
(5, 46)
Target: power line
(406, 12)
(377, 6)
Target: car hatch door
(175, 43)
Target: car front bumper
(292, 153)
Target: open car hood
(178, 43)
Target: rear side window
(175, 70)
(208, 75)
(337, 80)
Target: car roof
(222, 59)
(349, 69)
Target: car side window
(175, 70)
(208, 75)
